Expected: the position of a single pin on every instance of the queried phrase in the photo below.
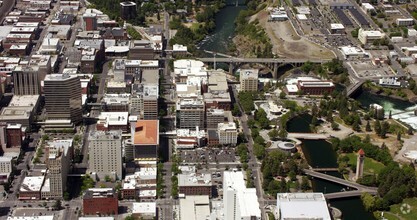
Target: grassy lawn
(387, 215)
(396, 209)
(395, 212)
(371, 166)
(195, 26)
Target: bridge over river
(308, 136)
(359, 188)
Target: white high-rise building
(240, 203)
(227, 133)
(105, 153)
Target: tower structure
(359, 163)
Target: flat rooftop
(146, 132)
(32, 183)
(314, 206)
(24, 100)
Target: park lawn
(387, 215)
(371, 166)
(194, 26)
(413, 209)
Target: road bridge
(340, 181)
(308, 136)
(352, 88)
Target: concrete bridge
(352, 88)
(325, 169)
(273, 63)
(360, 188)
(308, 136)
(345, 194)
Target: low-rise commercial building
(100, 201)
(195, 184)
(302, 206)
(108, 121)
(194, 207)
(144, 210)
(31, 188)
(366, 36)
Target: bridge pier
(275, 71)
(231, 68)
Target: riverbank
(402, 94)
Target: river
(222, 35)
(319, 153)
(396, 106)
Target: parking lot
(221, 155)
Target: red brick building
(195, 184)
(102, 201)
(315, 87)
(14, 135)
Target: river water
(319, 153)
(400, 110)
(225, 27)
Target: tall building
(249, 79)
(27, 80)
(214, 117)
(239, 202)
(150, 102)
(128, 10)
(63, 97)
(145, 139)
(90, 21)
(58, 164)
(227, 133)
(100, 201)
(105, 153)
(15, 135)
(359, 163)
(191, 113)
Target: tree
(410, 130)
(129, 217)
(355, 125)
(273, 134)
(335, 126)
(282, 95)
(305, 185)
(236, 110)
(377, 127)
(398, 136)
(368, 126)
(282, 133)
(390, 115)
(57, 205)
(66, 196)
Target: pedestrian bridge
(308, 136)
(360, 189)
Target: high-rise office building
(105, 153)
(63, 97)
(26, 80)
(239, 202)
(249, 80)
(191, 113)
(90, 21)
(58, 163)
(128, 10)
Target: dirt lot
(287, 43)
